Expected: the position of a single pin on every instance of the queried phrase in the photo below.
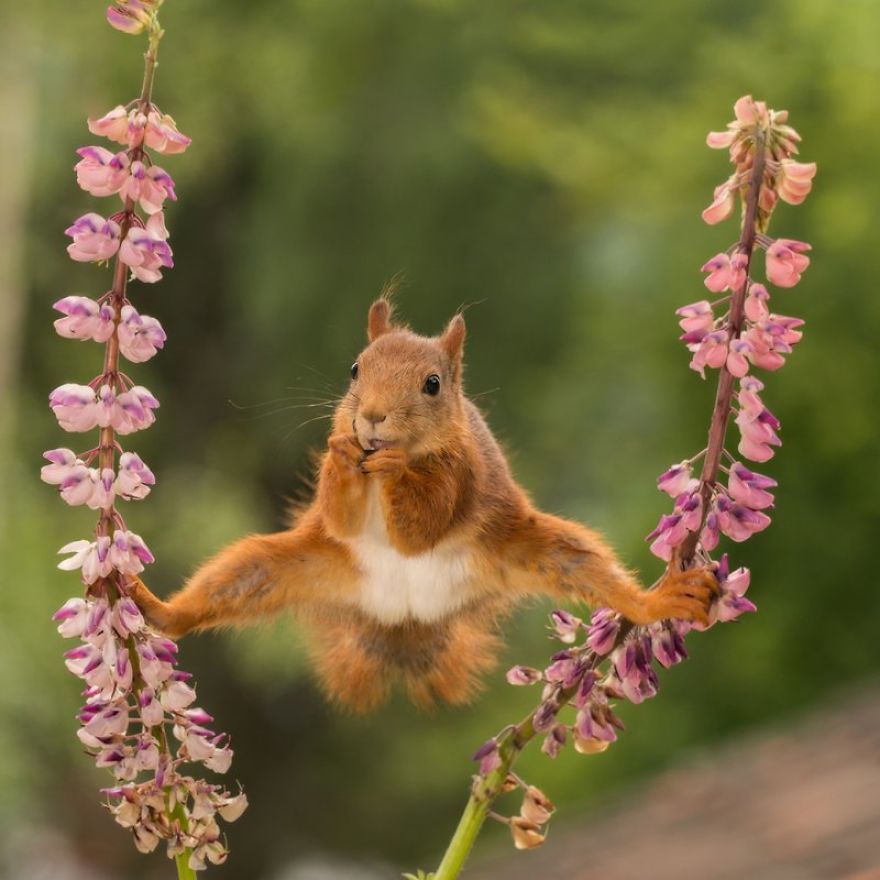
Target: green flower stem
(486, 789)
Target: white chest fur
(395, 587)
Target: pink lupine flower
(126, 618)
(112, 125)
(697, 319)
(722, 206)
(73, 614)
(756, 303)
(766, 351)
(731, 601)
(670, 532)
(140, 336)
(738, 521)
(63, 463)
(134, 479)
(94, 239)
(718, 268)
(162, 134)
(74, 407)
(795, 180)
(100, 172)
(85, 319)
(126, 413)
(720, 140)
(134, 410)
(145, 250)
(149, 187)
(739, 351)
(676, 480)
(710, 535)
(566, 625)
(710, 352)
(128, 553)
(749, 488)
(523, 675)
(748, 111)
(786, 261)
(92, 557)
(757, 424)
(130, 16)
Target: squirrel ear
(452, 339)
(379, 319)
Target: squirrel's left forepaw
(685, 595)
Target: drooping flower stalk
(609, 658)
(134, 692)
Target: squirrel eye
(432, 385)
(354, 370)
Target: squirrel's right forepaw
(346, 452)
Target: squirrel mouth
(374, 444)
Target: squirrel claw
(384, 461)
(686, 595)
(346, 451)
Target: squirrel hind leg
(347, 674)
(457, 673)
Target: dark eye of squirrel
(432, 385)
(354, 370)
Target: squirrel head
(405, 389)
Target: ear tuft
(452, 339)
(379, 319)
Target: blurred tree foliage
(540, 163)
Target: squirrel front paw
(684, 595)
(384, 461)
(346, 452)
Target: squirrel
(417, 543)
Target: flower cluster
(745, 337)
(610, 659)
(139, 719)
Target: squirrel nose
(374, 418)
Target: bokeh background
(544, 165)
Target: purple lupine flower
(554, 742)
(604, 626)
(523, 675)
(487, 756)
(134, 479)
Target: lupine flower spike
(608, 659)
(139, 719)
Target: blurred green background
(542, 163)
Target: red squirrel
(417, 543)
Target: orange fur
(413, 484)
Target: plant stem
(724, 394)
(486, 789)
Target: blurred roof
(800, 802)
